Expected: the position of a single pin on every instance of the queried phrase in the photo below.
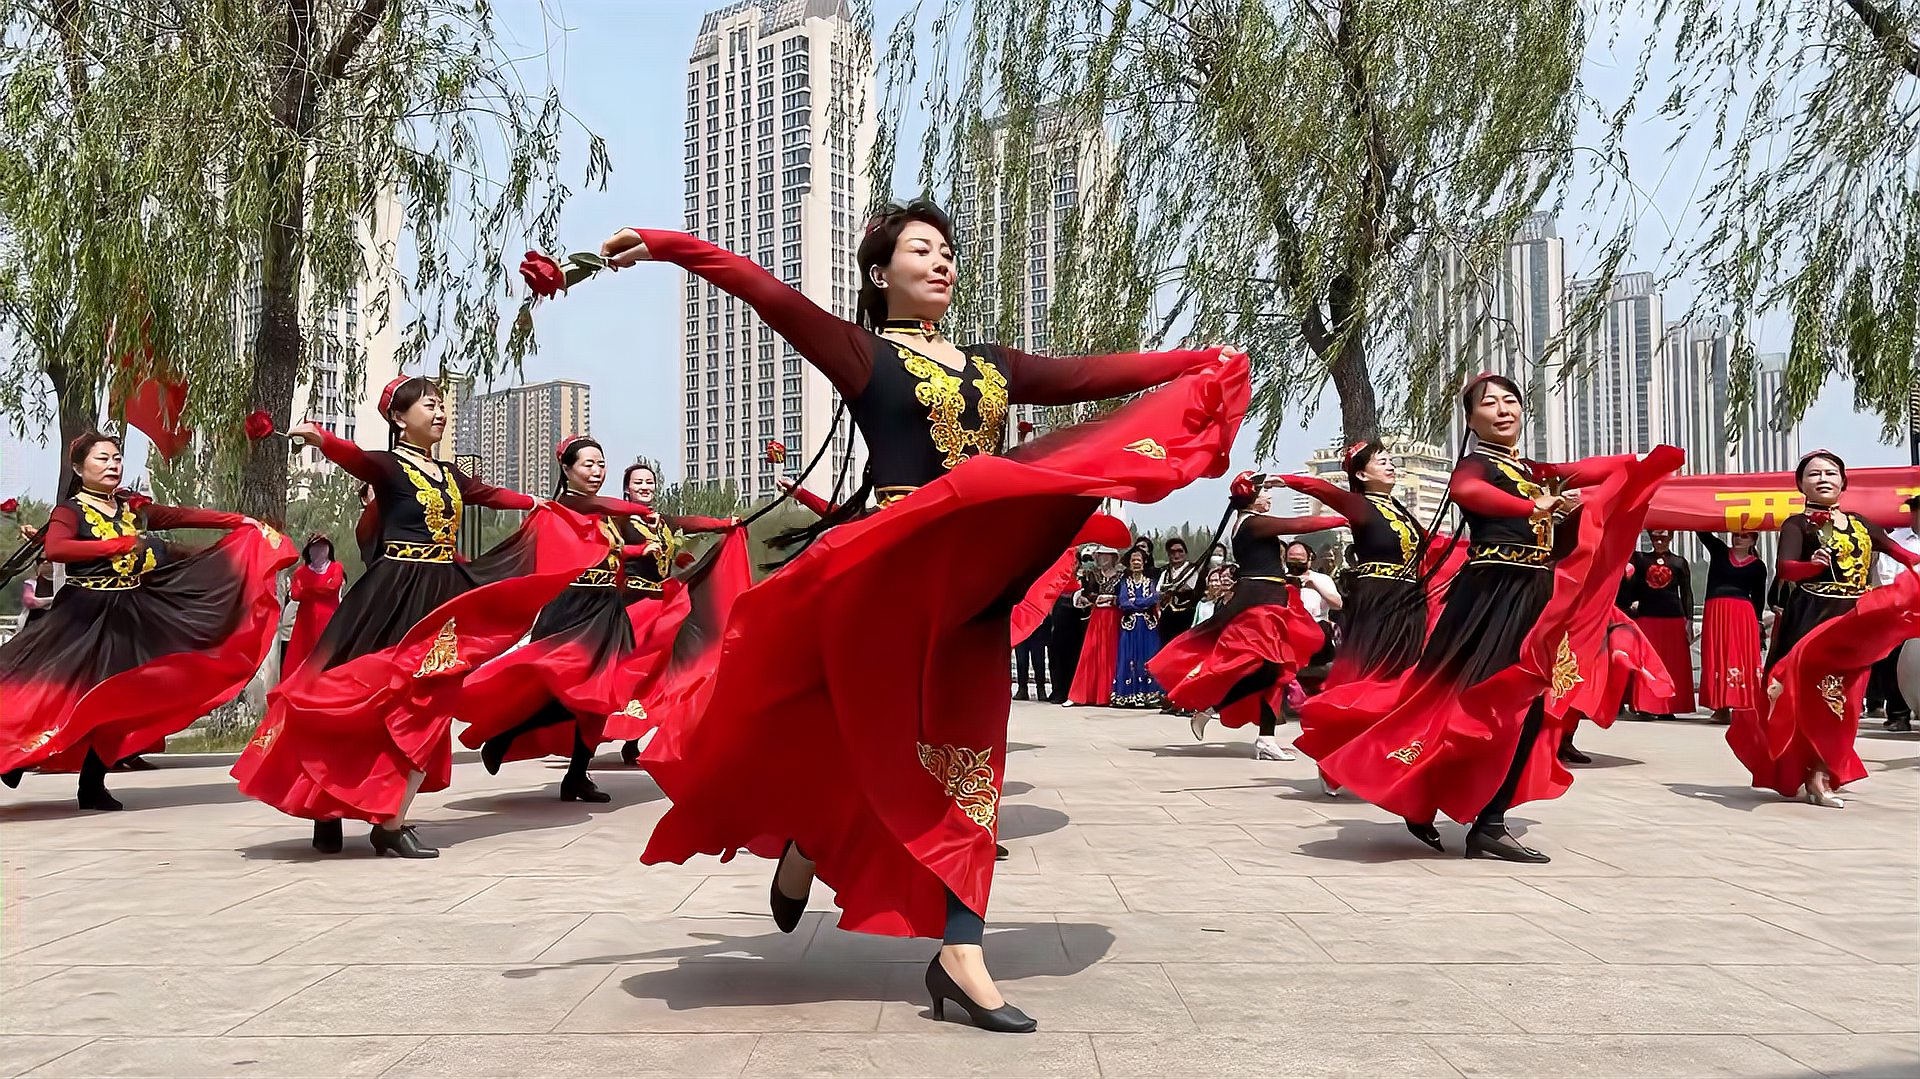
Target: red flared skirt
(1730, 654)
(574, 662)
(1093, 678)
(375, 701)
(308, 624)
(1669, 639)
(1441, 737)
(859, 701)
(1199, 667)
(1823, 682)
(116, 671)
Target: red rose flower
(1819, 518)
(542, 275)
(1026, 427)
(259, 425)
(1659, 576)
(10, 505)
(776, 452)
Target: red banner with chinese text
(1760, 501)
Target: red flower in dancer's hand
(259, 425)
(11, 505)
(1659, 576)
(776, 452)
(543, 276)
(1026, 427)
(1820, 518)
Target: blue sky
(619, 65)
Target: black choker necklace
(913, 327)
(1496, 450)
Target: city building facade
(513, 432)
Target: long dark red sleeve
(1267, 526)
(351, 457)
(62, 543)
(1345, 502)
(159, 516)
(485, 494)
(1066, 380)
(840, 350)
(813, 501)
(702, 524)
(610, 507)
(1470, 488)
(1793, 544)
(1582, 473)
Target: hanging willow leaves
(1277, 172)
(1812, 109)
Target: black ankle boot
(12, 779)
(1499, 843)
(630, 753)
(579, 788)
(399, 842)
(493, 753)
(327, 836)
(1426, 833)
(786, 909)
(1570, 754)
(1006, 1019)
(98, 798)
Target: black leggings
(547, 716)
(1494, 816)
(1262, 679)
(963, 925)
(93, 774)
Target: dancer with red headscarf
(145, 638)
(1474, 726)
(1233, 666)
(1830, 632)
(315, 586)
(874, 760)
(364, 724)
(554, 696)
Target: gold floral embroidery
(38, 740)
(1736, 677)
(402, 551)
(1566, 668)
(664, 543)
(939, 390)
(263, 739)
(967, 777)
(612, 533)
(633, 709)
(444, 653)
(1852, 551)
(442, 511)
(1408, 753)
(1834, 692)
(127, 523)
(1147, 447)
(1402, 529)
(271, 534)
(1542, 522)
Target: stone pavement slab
(1169, 908)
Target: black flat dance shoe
(1006, 1019)
(786, 910)
(327, 837)
(630, 753)
(1484, 843)
(493, 754)
(1426, 833)
(1571, 755)
(399, 842)
(999, 853)
(582, 790)
(12, 779)
(100, 800)
(135, 763)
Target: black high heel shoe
(399, 842)
(786, 909)
(1569, 754)
(100, 800)
(12, 779)
(582, 789)
(1426, 833)
(1006, 1019)
(630, 753)
(493, 754)
(327, 836)
(1489, 843)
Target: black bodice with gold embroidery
(1386, 540)
(647, 572)
(419, 513)
(921, 418)
(1812, 594)
(97, 523)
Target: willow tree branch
(359, 27)
(1891, 35)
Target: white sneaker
(1266, 749)
(1197, 723)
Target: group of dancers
(811, 716)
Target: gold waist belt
(1836, 589)
(595, 578)
(401, 551)
(1384, 569)
(118, 582)
(1509, 554)
(887, 496)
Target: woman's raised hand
(624, 248)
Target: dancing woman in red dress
(1100, 594)
(364, 724)
(1232, 666)
(855, 721)
(1659, 595)
(1730, 625)
(315, 586)
(1825, 641)
(1474, 726)
(553, 696)
(144, 639)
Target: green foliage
(329, 505)
(700, 500)
(1277, 172)
(1813, 109)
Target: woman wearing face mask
(316, 588)
(1320, 597)
(553, 696)
(811, 732)
(364, 724)
(1235, 665)
(1730, 625)
(1830, 632)
(143, 640)
(1520, 645)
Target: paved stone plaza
(1169, 909)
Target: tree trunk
(78, 398)
(276, 346)
(1359, 406)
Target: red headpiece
(1829, 454)
(1245, 484)
(386, 395)
(1346, 458)
(560, 451)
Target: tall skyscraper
(1617, 398)
(513, 432)
(1693, 385)
(1503, 319)
(1064, 162)
(779, 124)
(1760, 446)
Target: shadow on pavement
(1742, 798)
(1602, 760)
(1027, 821)
(54, 797)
